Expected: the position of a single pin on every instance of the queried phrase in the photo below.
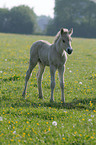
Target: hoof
(23, 95)
(41, 97)
(51, 100)
(63, 101)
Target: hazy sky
(41, 7)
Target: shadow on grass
(41, 109)
(88, 103)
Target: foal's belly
(43, 56)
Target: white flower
(80, 83)
(65, 111)
(92, 116)
(1, 119)
(90, 120)
(54, 123)
(14, 132)
(1, 71)
(70, 71)
(5, 59)
(24, 140)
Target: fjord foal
(52, 55)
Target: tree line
(79, 14)
(19, 19)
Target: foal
(52, 55)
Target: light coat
(52, 55)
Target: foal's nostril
(70, 51)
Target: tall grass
(35, 121)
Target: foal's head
(65, 40)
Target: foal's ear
(62, 31)
(70, 31)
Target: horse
(52, 55)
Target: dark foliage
(19, 19)
(81, 15)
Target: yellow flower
(76, 81)
(35, 132)
(12, 140)
(46, 122)
(63, 138)
(23, 135)
(37, 123)
(13, 127)
(1, 134)
(91, 104)
(92, 137)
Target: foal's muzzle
(69, 50)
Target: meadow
(33, 121)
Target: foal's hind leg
(28, 73)
(39, 78)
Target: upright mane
(54, 56)
(58, 35)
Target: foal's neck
(59, 49)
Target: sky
(40, 7)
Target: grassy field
(33, 121)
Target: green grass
(29, 121)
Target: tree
(19, 19)
(79, 14)
(4, 19)
(22, 20)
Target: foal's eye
(63, 41)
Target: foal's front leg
(61, 78)
(52, 72)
